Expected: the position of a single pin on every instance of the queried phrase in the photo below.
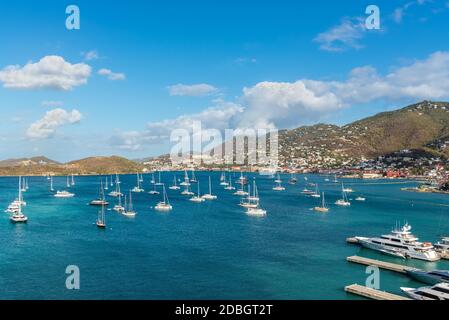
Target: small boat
(64, 194)
(138, 188)
(223, 179)
(209, 196)
(154, 191)
(174, 186)
(186, 181)
(187, 192)
(323, 208)
(307, 192)
(316, 194)
(101, 219)
(129, 210)
(101, 201)
(278, 186)
(428, 277)
(360, 198)
(229, 185)
(437, 292)
(164, 205)
(343, 202)
(293, 179)
(18, 216)
(198, 197)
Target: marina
(156, 246)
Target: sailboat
(344, 202)
(164, 205)
(316, 194)
(278, 186)
(323, 207)
(193, 180)
(119, 207)
(73, 180)
(51, 184)
(153, 180)
(26, 184)
(101, 220)
(252, 201)
(129, 210)
(106, 184)
(174, 186)
(116, 192)
(138, 188)
(101, 201)
(23, 184)
(229, 186)
(293, 179)
(68, 182)
(241, 192)
(154, 191)
(186, 181)
(253, 207)
(18, 216)
(335, 179)
(112, 181)
(223, 179)
(198, 197)
(209, 196)
(242, 179)
(141, 177)
(159, 183)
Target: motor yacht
(437, 292)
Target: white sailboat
(73, 180)
(241, 192)
(323, 208)
(193, 180)
(343, 202)
(186, 181)
(229, 186)
(198, 197)
(252, 201)
(174, 186)
(138, 188)
(112, 181)
(23, 184)
(187, 191)
(116, 193)
(106, 185)
(209, 196)
(278, 186)
(18, 216)
(100, 201)
(223, 179)
(154, 191)
(153, 180)
(316, 194)
(159, 183)
(51, 184)
(164, 205)
(119, 207)
(67, 182)
(129, 209)
(253, 208)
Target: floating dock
(372, 293)
(381, 264)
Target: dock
(372, 293)
(381, 264)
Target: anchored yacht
(437, 292)
(401, 243)
(429, 277)
(209, 196)
(64, 194)
(164, 205)
(442, 247)
(174, 186)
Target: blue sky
(226, 63)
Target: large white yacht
(402, 243)
(442, 247)
(437, 292)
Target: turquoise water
(206, 251)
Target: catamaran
(252, 201)
(129, 210)
(101, 201)
(101, 219)
(229, 185)
(198, 197)
(323, 208)
(138, 188)
(159, 182)
(241, 192)
(174, 186)
(209, 196)
(164, 205)
(18, 216)
(401, 243)
(343, 202)
(278, 186)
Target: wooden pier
(381, 264)
(372, 293)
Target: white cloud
(52, 120)
(400, 12)
(52, 103)
(90, 55)
(344, 36)
(114, 76)
(51, 72)
(194, 90)
(217, 117)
